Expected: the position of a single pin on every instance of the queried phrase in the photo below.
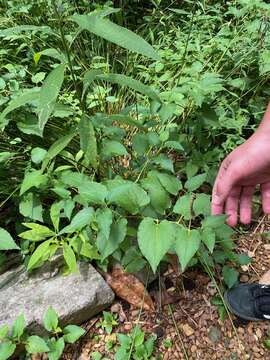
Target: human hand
(245, 168)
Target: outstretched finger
(265, 191)
(246, 204)
(232, 204)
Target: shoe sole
(237, 313)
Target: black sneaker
(249, 301)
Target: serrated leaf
(7, 349)
(183, 206)
(30, 206)
(155, 240)
(36, 344)
(79, 221)
(6, 241)
(32, 179)
(70, 258)
(48, 94)
(209, 238)
(129, 196)
(131, 83)
(72, 333)
(88, 141)
(18, 327)
(202, 205)
(115, 34)
(57, 147)
(50, 320)
(187, 243)
(38, 254)
(230, 276)
(37, 233)
(195, 182)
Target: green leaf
(209, 238)
(129, 196)
(50, 320)
(111, 148)
(72, 333)
(18, 29)
(37, 233)
(202, 205)
(183, 206)
(88, 79)
(6, 241)
(267, 343)
(79, 221)
(56, 349)
(38, 254)
(18, 327)
(57, 147)
(7, 349)
(88, 141)
(32, 179)
(36, 344)
(169, 182)
(155, 240)
(115, 34)
(55, 211)
(131, 83)
(93, 192)
(14, 104)
(48, 94)
(214, 221)
(195, 182)
(104, 219)
(38, 154)
(4, 330)
(30, 206)
(187, 243)
(117, 236)
(70, 258)
(230, 276)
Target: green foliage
(52, 345)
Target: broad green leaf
(30, 206)
(169, 182)
(111, 148)
(131, 83)
(183, 206)
(14, 104)
(56, 349)
(72, 333)
(80, 220)
(129, 196)
(195, 182)
(202, 205)
(32, 179)
(159, 198)
(7, 349)
(55, 211)
(50, 320)
(57, 147)
(230, 276)
(115, 34)
(93, 192)
(140, 143)
(4, 330)
(214, 221)
(209, 238)
(48, 94)
(88, 141)
(37, 233)
(70, 258)
(104, 218)
(6, 241)
(187, 243)
(36, 344)
(38, 154)
(175, 145)
(164, 162)
(18, 327)
(5, 155)
(155, 240)
(116, 237)
(38, 254)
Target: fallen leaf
(129, 288)
(118, 309)
(174, 261)
(187, 329)
(265, 279)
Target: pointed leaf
(183, 206)
(18, 327)
(155, 240)
(209, 238)
(30, 206)
(7, 349)
(195, 182)
(117, 236)
(70, 258)
(202, 205)
(37, 233)
(32, 179)
(72, 333)
(38, 254)
(36, 344)
(56, 349)
(88, 141)
(115, 34)
(230, 276)
(93, 192)
(80, 220)
(50, 320)
(6, 241)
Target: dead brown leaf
(129, 288)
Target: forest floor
(191, 324)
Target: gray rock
(76, 297)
